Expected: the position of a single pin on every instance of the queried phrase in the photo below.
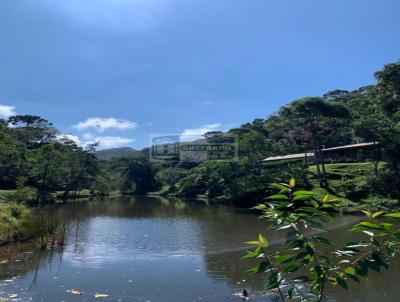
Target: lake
(159, 250)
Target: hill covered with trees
(113, 153)
(339, 117)
(36, 164)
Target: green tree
(13, 157)
(33, 129)
(139, 175)
(170, 176)
(314, 114)
(46, 161)
(387, 91)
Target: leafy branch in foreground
(309, 263)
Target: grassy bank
(15, 223)
(18, 223)
(350, 182)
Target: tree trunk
(376, 158)
(324, 177)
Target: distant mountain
(117, 153)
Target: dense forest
(38, 166)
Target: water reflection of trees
(224, 250)
(24, 259)
(19, 260)
(219, 230)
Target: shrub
(14, 222)
(309, 264)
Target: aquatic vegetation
(18, 223)
(49, 233)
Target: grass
(4, 194)
(19, 224)
(14, 222)
(349, 182)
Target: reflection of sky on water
(114, 240)
(145, 249)
(140, 249)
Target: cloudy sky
(120, 70)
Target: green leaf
(274, 281)
(254, 254)
(284, 227)
(354, 277)
(377, 214)
(294, 267)
(284, 258)
(253, 242)
(295, 244)
(260, 207)
(282, 204)
(302, 197)
(328, 199)
(350, 271)
(393, 215)
(292, 183)
(362, 226)
(372, 264)
(315, 204)
(380, 259)
(333, 281)
(278, 197)
(280, 187)
(362, 268)
(342, 283)
(322, 240)
(310, 193)
(367, 213)
(262, 240)
(302, 255)
(260, 268)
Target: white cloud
(206, 103)
(88, 136)
(6, 111)
(101, 124)
(69, 137)
(106, 142)
(195, 133)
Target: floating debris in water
(243, 295)
(74, 292)
(101, 295)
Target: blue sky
(120, 70)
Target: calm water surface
(158, 250)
